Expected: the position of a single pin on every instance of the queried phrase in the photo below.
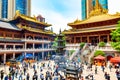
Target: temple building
(25, 35)
(96, 28)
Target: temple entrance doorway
(104, 39)
(94, 40)
(1, 59)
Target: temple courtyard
(86, 71)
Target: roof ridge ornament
(76, 21)
(98, 10)
(17, 13)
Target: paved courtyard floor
(98, 76)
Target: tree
(56, 42)
(82, 45)
(99, 52)
(116, 37)
(101, 44)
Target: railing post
(4, 58)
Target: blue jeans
(20, 77)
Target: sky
(61, 12)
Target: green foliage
(101, 44)
(71, 52)
(116, 37)
(82, 45)
(116, 45)
(99, 52)
(55, 43)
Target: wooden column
(33, 45)
(4, 58)
(81, 39)
(43, 55)
(74, 39)
(108, 38)
(25, 47)
(4, 35)
(4, 46)
(13, 55)
(33, 55)
(42, 51)
(87, 39)
(99, 39)
(14, 46)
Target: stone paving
(100, 73)
(98, 76)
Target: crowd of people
(23, 72)
(46, 70)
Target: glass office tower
(21, 5)
(4, 8)
(9, 7)
(84, 9)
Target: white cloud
(60, 20)
(114, 6)
(57, 19)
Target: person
(20, 75)
(105, 75)
(6, 77)
(118, 76)
(2, 74)
(108, 77)
(34, 67)
(110, 67)
(103, 68)
(82, 78)
(24, 70)
(16, 72)
(95, 69)
(41, 76)
(9, 78)
(12, 73)
(28, 76)
(35, 77)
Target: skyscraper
(88, 5)
(9, 7)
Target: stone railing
(72, 46)
(36, 40)
(106, 48)
(26, 50)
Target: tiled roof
(93, 19)
(7, 25)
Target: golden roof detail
(37, 30)
(98, 10)
(28, 18)
(117, 14)
(76, 21)
(98, 18)
(101, 28)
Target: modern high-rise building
(88, 5)
(9, 7)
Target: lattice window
(17, 36)
(1, 34)
(8, 35)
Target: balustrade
(22, 49)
